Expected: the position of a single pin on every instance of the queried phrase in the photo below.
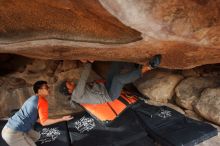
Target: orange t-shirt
(42, 109)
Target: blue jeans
(116, 81)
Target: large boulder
(208, 105)
(189, 90)
(158, 85)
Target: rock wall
(16, 86)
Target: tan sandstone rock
(208, 105)
(158, 85)
(189, 90)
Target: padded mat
(53, 135)
(125, 130)
(170, 128)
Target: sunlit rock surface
(186, 32)
(76, 20)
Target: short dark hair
(38, 85)
(63, 89)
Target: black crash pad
(170, 128)
(125, 130)
(2, 124)
(53, 135)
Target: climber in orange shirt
(98, 93)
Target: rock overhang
(102, 30)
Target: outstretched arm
(43, 114)
(53, 121)
(80, 87)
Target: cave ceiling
(185, 32)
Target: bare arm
(53, 121)
(43, 114)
